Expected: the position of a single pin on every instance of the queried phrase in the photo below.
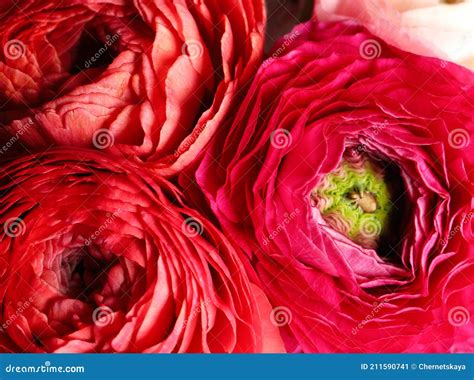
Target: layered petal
(98, 255)
(155, 77)
(329, 94)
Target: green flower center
(355, 200)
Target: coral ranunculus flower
(347, 177)
(151, 79)
(96, 255)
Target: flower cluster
(164, 188)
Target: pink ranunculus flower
(347, 177)
(435, 28)
(98, 255)
(150, 79)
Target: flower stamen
(355, 201)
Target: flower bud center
(365, 200)
(355, 200)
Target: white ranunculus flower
(440, 28)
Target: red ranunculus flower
(96, 255)
(152, 79)
(347, 176)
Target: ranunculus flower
(437, 28)
(151, 79)
(347, 178)
(96, 255)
